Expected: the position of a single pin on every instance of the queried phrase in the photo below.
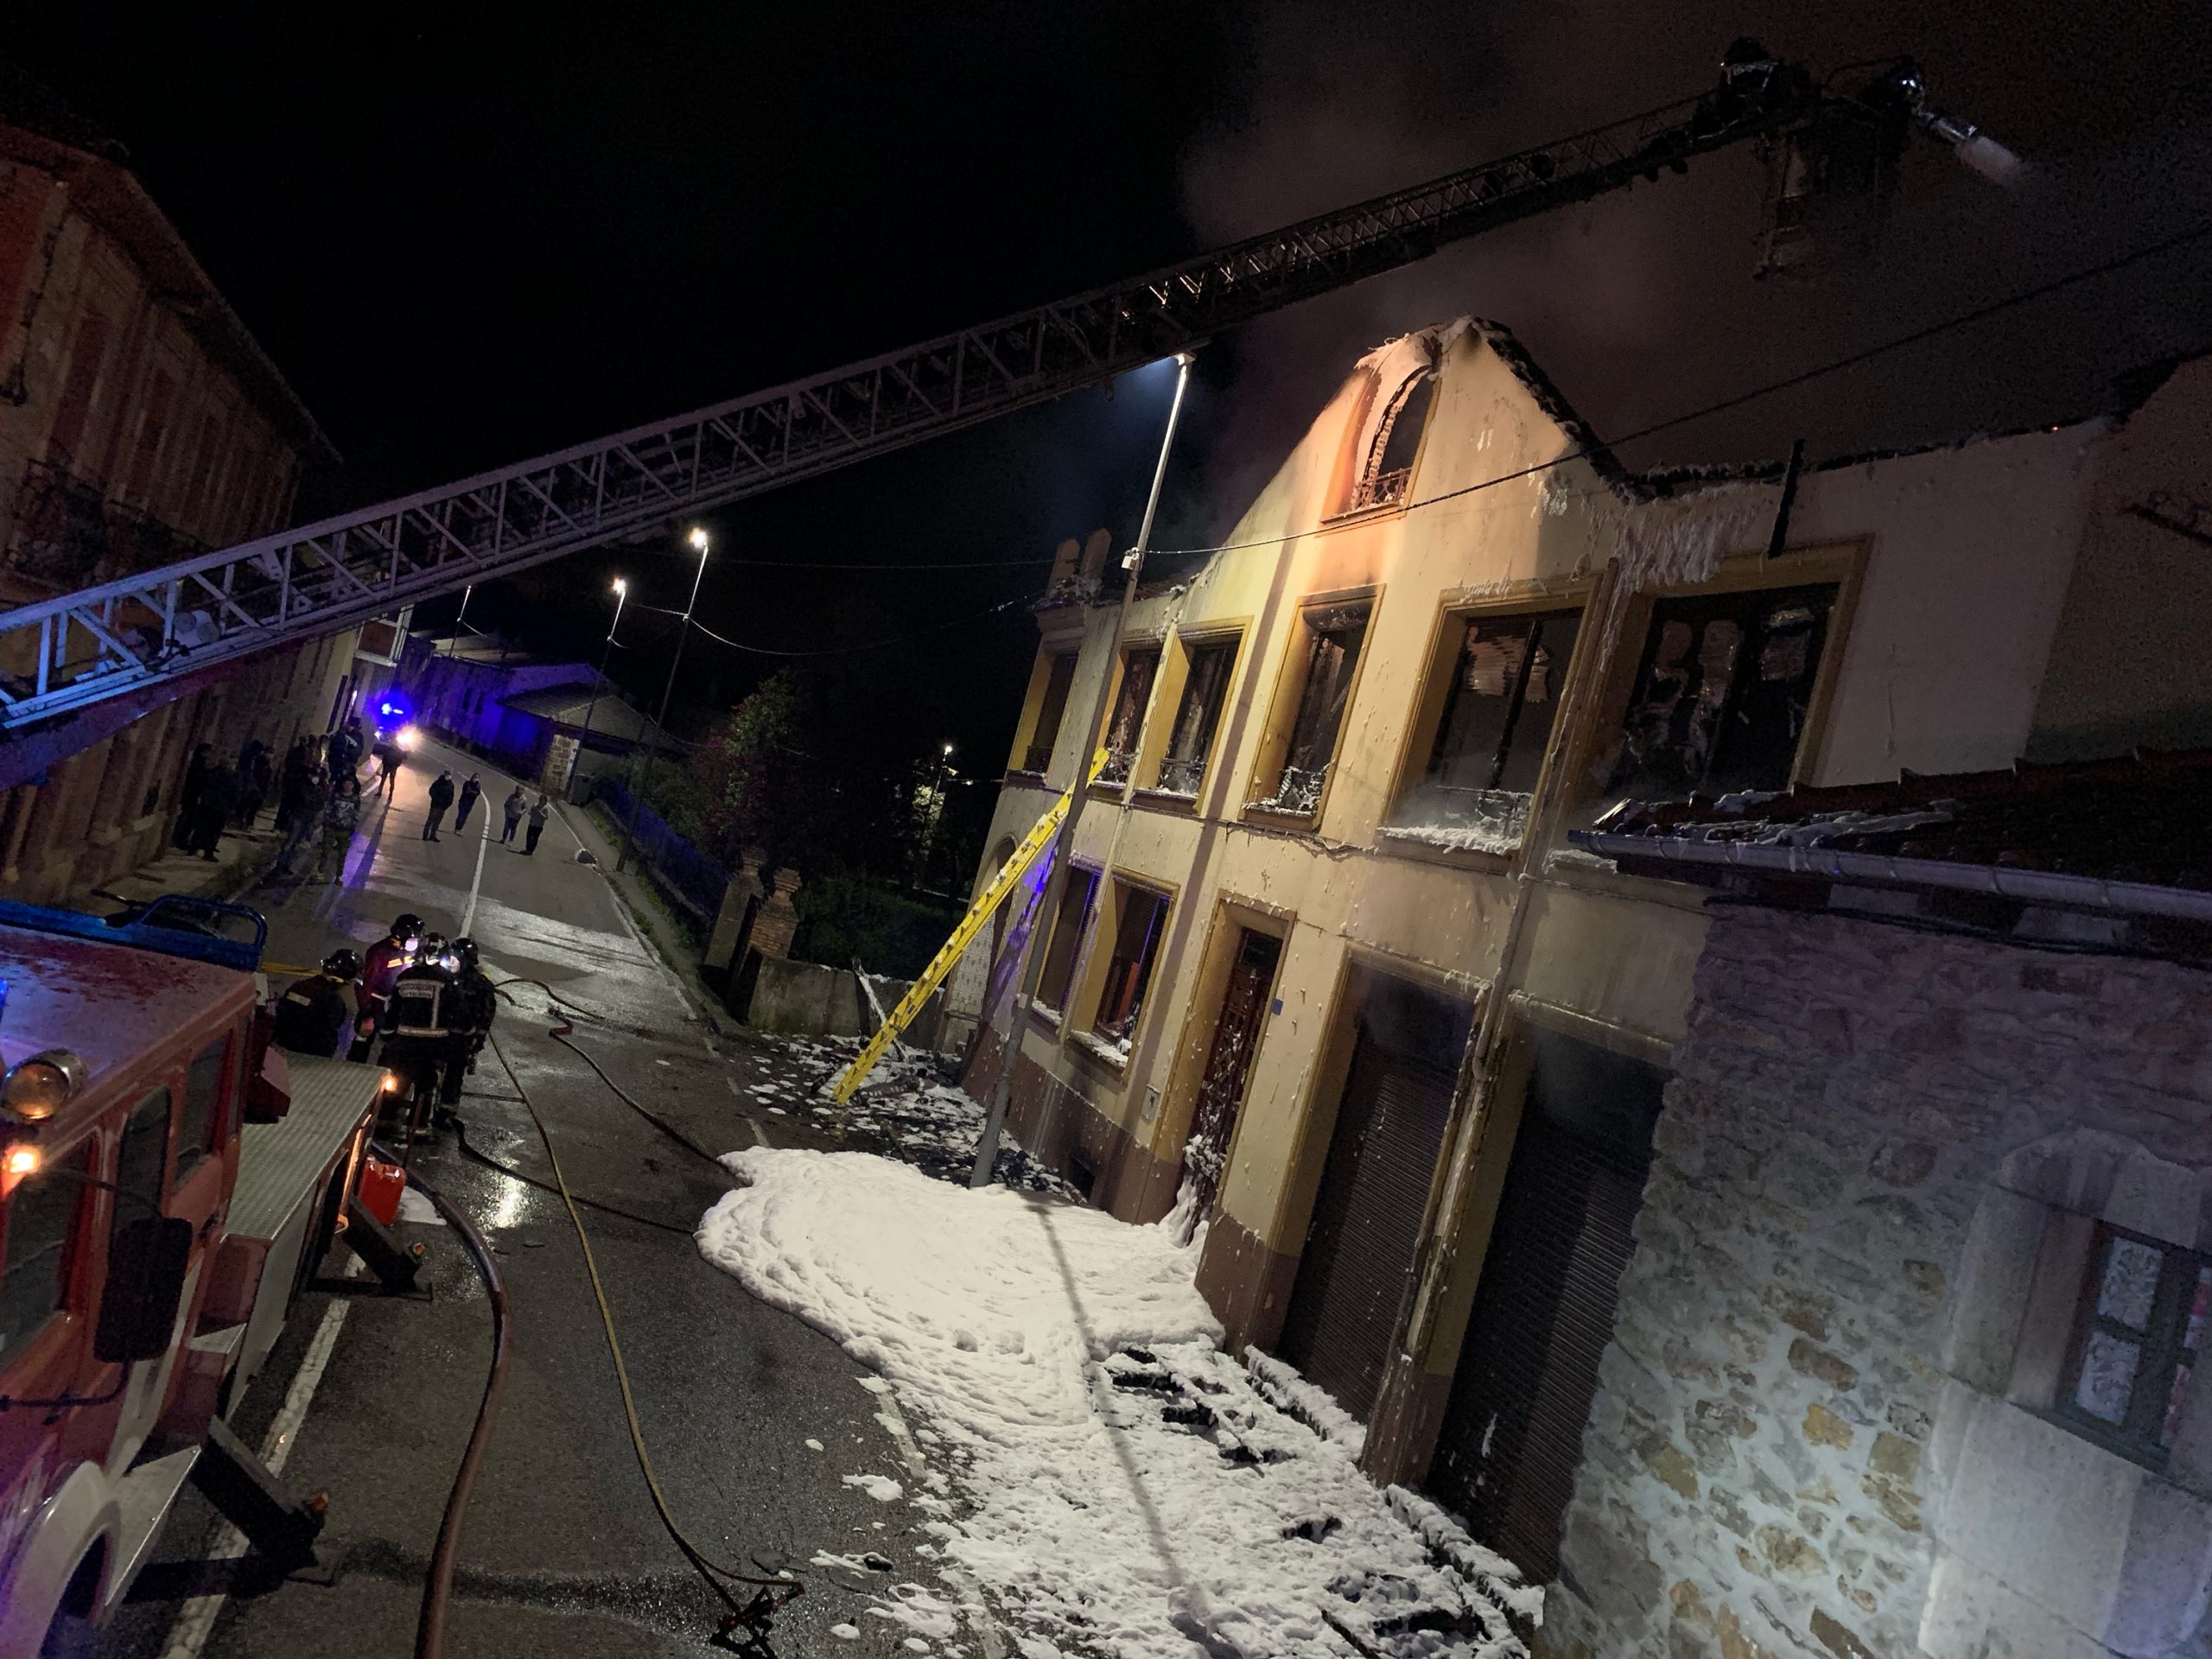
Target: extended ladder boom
(67, 653)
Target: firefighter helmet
(342, 964)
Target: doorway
(1544, 1305)
(1228, 1067)
(1357, 1263)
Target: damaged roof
(2124, 836)
(566, 706)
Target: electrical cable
(753, 1614)
(437, 1586)
(874, 645)
(1960, 319)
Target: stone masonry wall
(1765, 1464)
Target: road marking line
(895, 1421)
(476, 881)
(759, 1135)
(196, 1620)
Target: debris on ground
(1118, 1486)
(910, 1109)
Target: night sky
(468, 234)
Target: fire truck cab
(152, 1241)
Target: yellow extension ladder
(963, 936)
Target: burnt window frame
(1369, 486)
(1055, 1008)
(1442, 686)
(1121, 763)
(1617, 778)
(1264, 793)
(2164, 1353)
(1224, 648)
(1124, 893)
(1042, 741)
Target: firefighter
(313, 1015)
(474, 1005)
(387, 957)
(419, 1021)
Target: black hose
(437, 1588)
(469, 1150)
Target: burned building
(1330, 964)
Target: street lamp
(936, 815)
(698, 540)
(583, 738)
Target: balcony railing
(60, 533)
(1380, 490)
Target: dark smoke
(1643, 306)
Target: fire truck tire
(70, 1636)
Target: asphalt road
(561, 1552)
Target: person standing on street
(388, 957)
(514, 811)
(474, 1004)
(342, 749)
(219, 794)
(440, 798)
(253, 782)
(538, 813)
(471, 792)
(313, 1015)
(419, 1025)
(305, 798)
(188, 795)
(339, 814)
(291, 782)
(388, 756)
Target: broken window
(1046, 735)
(2136, 1339)
(1066, 938)
(1722, 693)
(1139, 670)
(1506, 676)
(1388, 465)
(1205, 688)
(1330, 648)
(1136, 940)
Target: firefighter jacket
(422, 1004)
(312, 1017)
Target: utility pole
(698, 540)
(1032, 960)
(937, 818)
(598, 680)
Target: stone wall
(1818, 1430)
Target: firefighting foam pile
(1117, 1485)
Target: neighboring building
(1329, 956)
(1908, 1351)
(460, 685)
(565, 757)
(139, 423)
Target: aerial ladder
(84, 663)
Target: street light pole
(598, 680)
(1031, 965)
(698, 540)
(936, 815)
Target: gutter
(2029, 886)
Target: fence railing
(686, 874)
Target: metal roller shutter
(1543, 1312)
(1359, 1248)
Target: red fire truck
(152, 1242)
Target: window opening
(1049, 712)
(2138, 1333)
(1388, 468)
(1723, 693)
(1136, 939)
(74, 411)
(1066, 938)
(1332, 645)
(1492, 735)
(1205, 687)
(161, 390)
(1139, 670)
(41, 1213)
(200, 1124)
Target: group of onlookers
(318, 790)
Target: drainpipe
(1032, 961)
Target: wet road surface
(562, 1551)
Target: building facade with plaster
(140, 423)
(1328, 964)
